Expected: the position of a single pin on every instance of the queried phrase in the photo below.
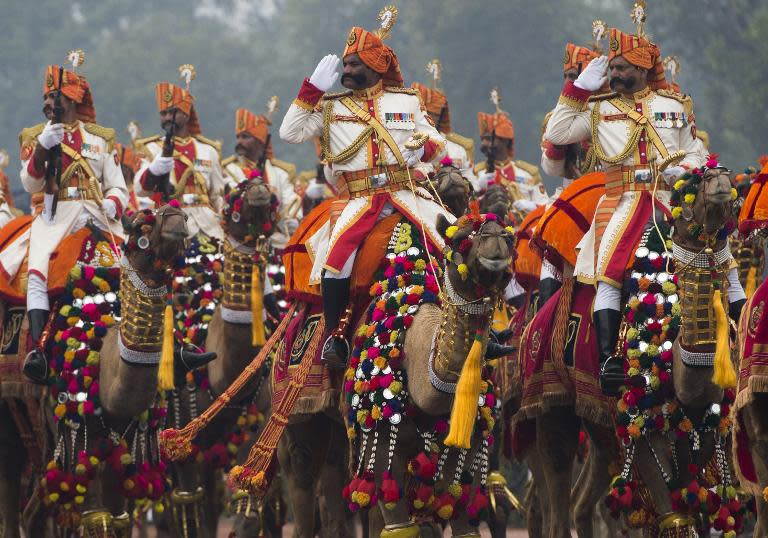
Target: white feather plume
(387, 18)
(187, 73)
(76, 58)
(134, 131)
(4, 158)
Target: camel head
(478, 255)
(155, 239)
(250, 211)
(704, 207)
(496, 200)
(452, 188)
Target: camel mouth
(494, 264)
(720, 197)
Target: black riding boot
(36, 363)
(335, 298)
(611, 367)
(735, 308)
(547, 288)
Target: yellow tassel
(500, 318)
(751, 284)
(165, 372)
(464, 410)
(258, 337)
(724, 374)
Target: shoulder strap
(376, 125)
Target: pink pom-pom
(446, 161)
(174, 203)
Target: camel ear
(442, 224)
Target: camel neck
(461, 321)
(142, 309)
(699, 275)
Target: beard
(168, 125)
(359, 80)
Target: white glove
(525, 206)
(593, 77)
(413, 156)
(480, 183)
(161, 165)
(325, 74)
(291, 225)
(672, 173)
(109, 207)
(315, 190)
(52, 135)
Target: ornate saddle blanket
(15, 235)
(566, 221)
(322, 386)
(551, 377)
(752, 379)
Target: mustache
(626, 82)
(358, 79)
(239, 147)
(166, 125)
(486, 150)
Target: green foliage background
(246, 51)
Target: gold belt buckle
(643, 176)
(378, 180)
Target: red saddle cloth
(752, 379)
(568, 377)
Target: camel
(557, 426)
(127, 376)
(230, 336)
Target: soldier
(644, 140)
(183, 165)
(365, 131)
(92, 187)
(497, 143)
(6, 196)
(459, 149)
(253, 153)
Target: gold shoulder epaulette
(149, 139)
(466, 143)
(30, 133)
(229, 160)
(304, 177)
(216, 144)
(289, 168)
(396, 89)
(107, 133)
(531, 169)
(480, 167)
(684, 99)
(336, 95)
(602, 96)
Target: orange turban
(436, 103)
(754, 212)
(575, 55)
(74, 87)
(641, 53)
(257, 126)
(498, 123)
(375, 54)
(169, 95)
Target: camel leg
(333, 478)
(12, 460)
(595, 479)
(557, 437)
(535, 515)
(302, 452)
(649, 470)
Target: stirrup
(35, 366)
(331, 355)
